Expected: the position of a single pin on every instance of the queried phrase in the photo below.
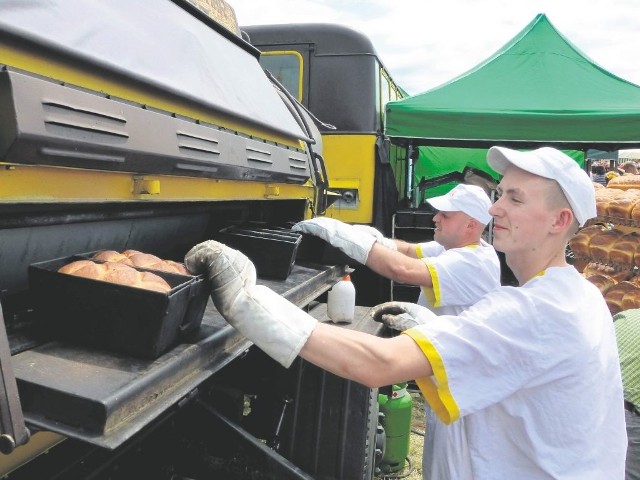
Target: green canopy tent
(537, 89)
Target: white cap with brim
(469, 199)
(550, 163)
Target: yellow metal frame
(350, 162)
(300, 71)
(21, 183)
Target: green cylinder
(396, 409)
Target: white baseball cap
(469, 199)
(550, 163)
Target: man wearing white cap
(453, 271)
(533, 369)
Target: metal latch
(13, 431)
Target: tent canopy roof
(537, 89)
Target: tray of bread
(619, 287)
(114, 305)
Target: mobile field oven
(131, 125)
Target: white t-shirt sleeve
(460, 276)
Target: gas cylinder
(396, 409)
(341, 301)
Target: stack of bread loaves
(608, 246)
(618, 204)
(613, 258)
(116, 273)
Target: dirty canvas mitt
(274, 324)
(355, 242)
(401, 315)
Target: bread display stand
(607, 249)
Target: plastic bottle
(341, 301)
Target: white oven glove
(381, 239)
(273, 323)
(354, 243)
(401, 315)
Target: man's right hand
(401, 315)
(353, 240)
(354, 243)
(380, 238)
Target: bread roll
(579, 243)
(600, 245)
(635, 213)
(603, 197)
(615, 294)
(594, 268)
(112, 256)
(631, 299)
(603, 282)
(116, 273)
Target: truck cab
(154, 129)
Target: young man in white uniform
(534, 369)
(454, 271)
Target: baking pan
(272, 251)
(199, 295)
(130, 320)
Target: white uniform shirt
(534, 372)
(460, 276)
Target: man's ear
(563, 220)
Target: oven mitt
(381, 239)
(354, 243)
(401, 315)
(274, 324)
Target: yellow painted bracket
(271, 191)
(145, 186)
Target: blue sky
(424, 43)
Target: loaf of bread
(579, 243)
(142, 260)
(624, 250)
(116, 273)
(625, 182)
(603, 282)
(621, 207)
(600, 245)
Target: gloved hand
(381, 239)
(401, 315)
(354, 243)
(274, 324)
